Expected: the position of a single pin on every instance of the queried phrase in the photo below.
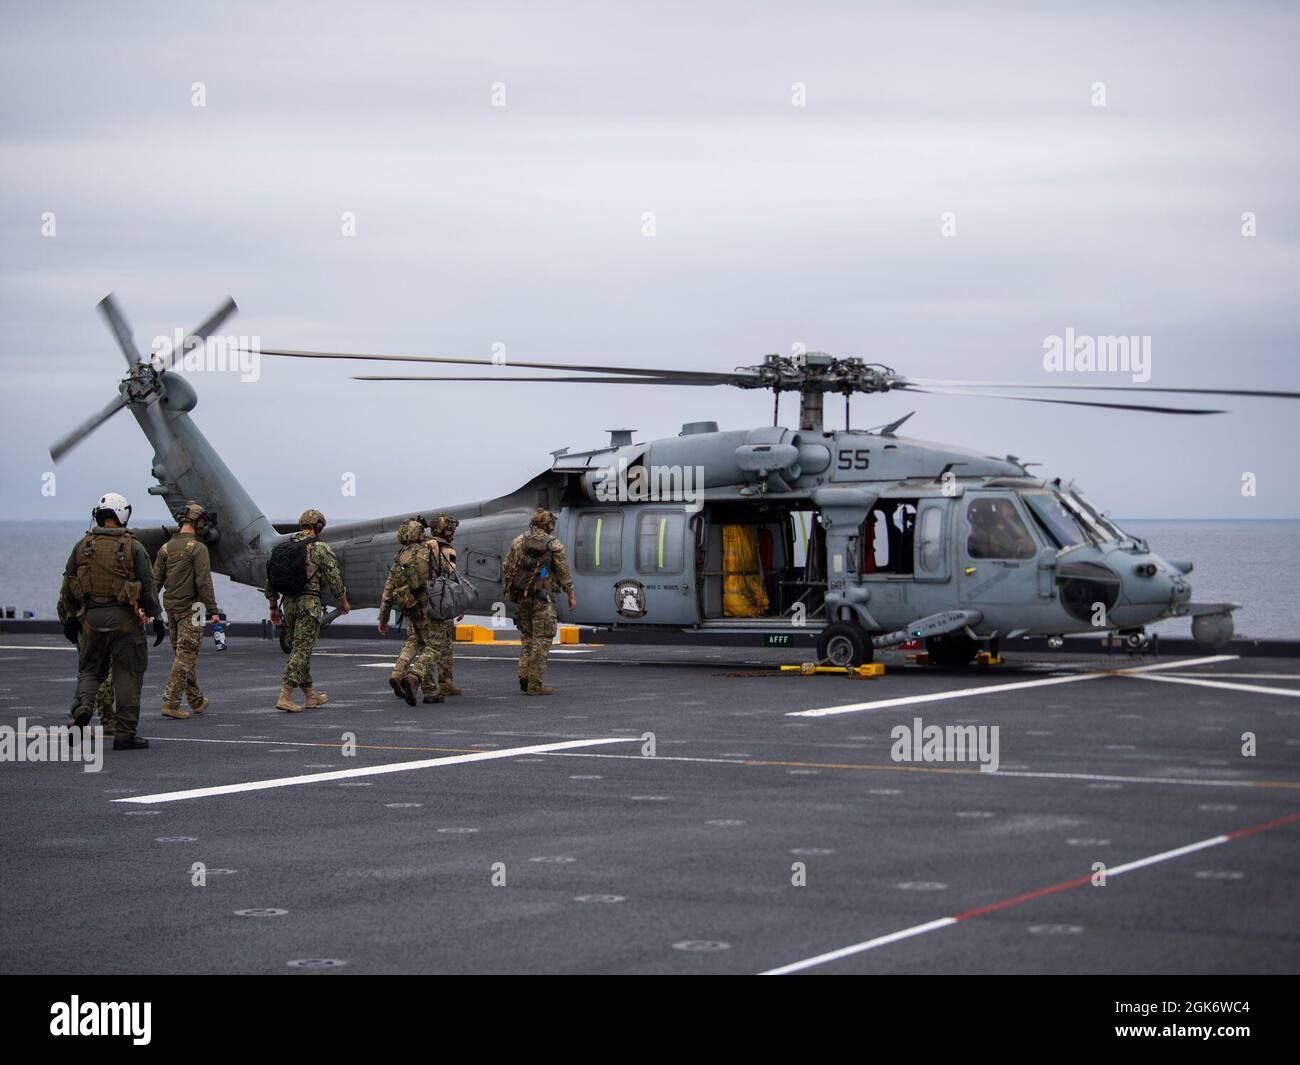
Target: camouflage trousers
(418, 656)
(183, 681)
(444, 636)
(121, 656)
(535, 620)
(302, 617)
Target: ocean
(1250, 562)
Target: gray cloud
(775, 225)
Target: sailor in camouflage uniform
(443, 528)
(534, 567)
(302, 613)
(108, 588)
(183, 571)
(406, 590)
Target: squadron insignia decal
(629, 599)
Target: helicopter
(864, 537)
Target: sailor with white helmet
(108, 584)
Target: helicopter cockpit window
(660, 541)
(1102, 526)
(997, 531)
(598, 546)
(1054, 519)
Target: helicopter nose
(1152, 580)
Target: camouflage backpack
(412, 569)
(106, 569)
(528, 565)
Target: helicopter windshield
(1110, 531)
(1062, 526)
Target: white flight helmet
(116, 504)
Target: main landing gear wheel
(844, 643)
(952, 649)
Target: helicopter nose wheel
(843, 643)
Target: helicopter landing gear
(844, 643)
(951, 649)
(1134, 641)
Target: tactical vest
(106, 569)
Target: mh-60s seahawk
(868, 538)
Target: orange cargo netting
(743, 594)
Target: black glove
(159, 631)
(72, 629)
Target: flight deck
(671, 809)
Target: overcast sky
(774, 225)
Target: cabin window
(888, 537)
(997, 531)
(599, 542)
(660, 541)
(931, 539)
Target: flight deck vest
(106, 569)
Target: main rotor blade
(1266, 393)
(583, 380)
(697, 375)
(68, 441)
(121, 330)
(1067, 402)
(203, 330)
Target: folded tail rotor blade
(121, 329)
(202, 331)
(68, 441)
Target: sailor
(108, 585)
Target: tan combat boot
(174, 712)
(285, 702)
(536, 687)
(314, 698)
(201, 707)
(448, 688)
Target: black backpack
(286, 569)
